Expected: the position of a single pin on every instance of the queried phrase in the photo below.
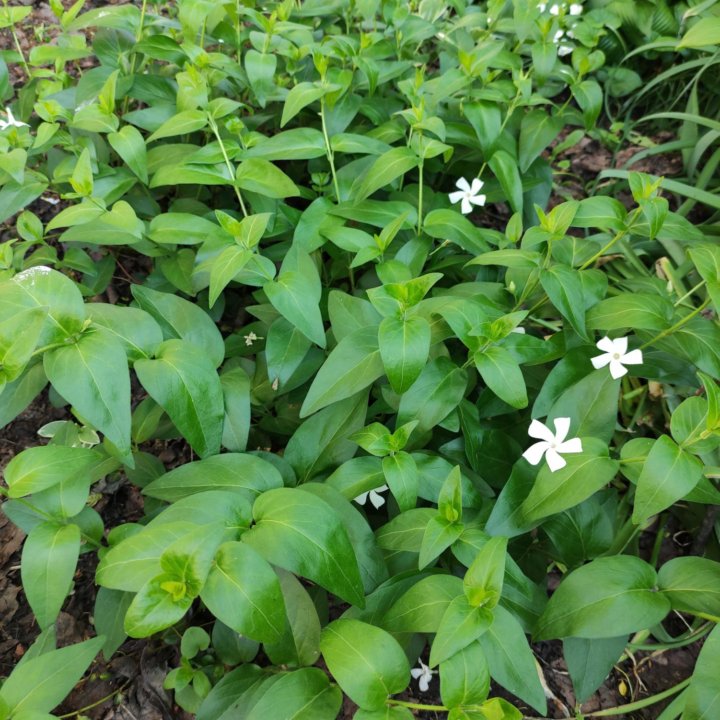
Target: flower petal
(457, 196)
(634, 357)
(535, 452)
(463, 184)
(576, 9)
(466, 206)
(562, 425)
(617, 369)
(600, 361)
(540, 431)
(478, 200)
(424, 684)
(620, 345)
(477, 184)
(606, 345)
(361, 499)
(554, 461)
(564, 50)
(570, 446)
(376, 499)
(416, 672)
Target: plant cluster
(329, 245)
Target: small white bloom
(615, 355)
(250, 339)
(376, 499)
(541, 7)
(562, 49)
(423, 675)
(467, 194)
(11, 121)
(576, 9)
(555, 10)
(551, 443)
(519, 330)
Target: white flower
(423, 675)
(616, 355)
(562, 49)
(551, 444)
(555, 10)
(576, 9)
(375, 498)
(467, 194)
(541, 7)
(11, 121)
(519, 329)
(251, 338)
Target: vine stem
(328, 150)
(17, 42)
(75, 713)
(640, 704)
(228, 164)
(677, 325)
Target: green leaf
(353, 365)
(92, 375)
(183, 381)
(483, 581)
(300, 96)
(322, 440)
(703, 698)
(128, 143)
(301, 695)
(300, 644)
(109, 617)
(707, 262)
(136, 330)
(703, 34)
(461, 625)
(692, 585)
(669, 473)
(590, 662)
(446, 224)
(511, 660)
(49, 559)
(585, 473)
(236, 398)
(502, 375)
(41, 683)
(537, 130)
(285, 350)
(440, 533)
(224, 268)
(298, 144)
(565, 289)
(401, 475)
(367, 662)
(421, 608)
(638, 310)
(384, 170)
(156, 607)
(243, 591)
(465, 677)
(300, 532)
(245, 474)
(260, 69)
(262, 177)
(296, 295)
(404, 348)
(434, 395)
(183, 320)
(505, 169)
(48, 289)
(46, 466)
(609, 596)
(181, 123)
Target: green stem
(640, 704)
(228, 164)
(328, 150)
(677, 325)
(23, 61)
(418, 706)
(75, 713)
(619, 235)
(689, 293)
(420, 198)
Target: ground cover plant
(438, 398)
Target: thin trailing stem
(328, 150)
(228, 164)
(677, 325)
(23, 61)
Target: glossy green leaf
(703, 699)
(502, 375)
(185, 384)
(384, 170)
(461, 625)
(367, 662)
(401, 476)
(465, 677)
(129, 144)
(404, 347)
(692, 585)
(262, 177)
(590, 662)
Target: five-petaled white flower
(615, 355)
(551, 444)
(375, 498)
(11, 121)
(562, 49)
(423, 675)
(467, 194)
